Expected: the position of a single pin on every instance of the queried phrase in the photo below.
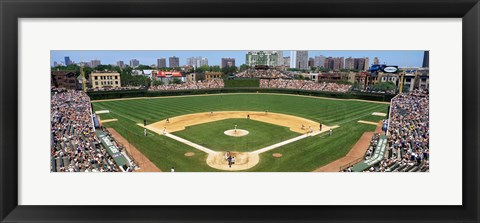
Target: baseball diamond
(276, 123)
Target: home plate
(379, 114)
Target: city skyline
(403, 58)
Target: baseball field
(265, 132)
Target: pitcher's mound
(237, 133)
(189, 154)
(277, 155)
(243, 160)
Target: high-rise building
(280, 58)
(334, 63)
(426, 59)
(83, 64)
(319, 61)
(203, 61)
(173, 62)
(349, 63)
(293, 59)
(197, 61)
(376, 61)
(264, 58)
(121, 64)
(67, 61)
(338, 63)
(286, 61)
(311, 62)
(55, 63)
(301, 60)
(134, 63)
(192, 61)
(227, 62)
(359, 63)
(95, 63)
(161, 62)
(367, 64)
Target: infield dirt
(179, 123)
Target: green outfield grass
(260, 135)
(304, 155)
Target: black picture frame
(11, 11)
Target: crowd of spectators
(74, 145)
(117, 88)
(408, 133)
(268, 73)
(304, 85)
(212, 84)
(372, 146)
(370, 151)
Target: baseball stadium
(261, 119)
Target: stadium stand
(264, 73)
(304, 85)
(74, 144)
(212, 84)
(408, 136)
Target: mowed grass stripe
(353, 114)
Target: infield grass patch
(211, 135)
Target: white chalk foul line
(194, 145)
(262, 150)
(274, 146)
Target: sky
(401, 58)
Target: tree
(103, 67)
(229, 70)
(215, 69)
(157, 82)
(143, 67)
(202, 69)
(323, 69)
(176, 81)
(384, 86)
(244, 67)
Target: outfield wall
(99, 95)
